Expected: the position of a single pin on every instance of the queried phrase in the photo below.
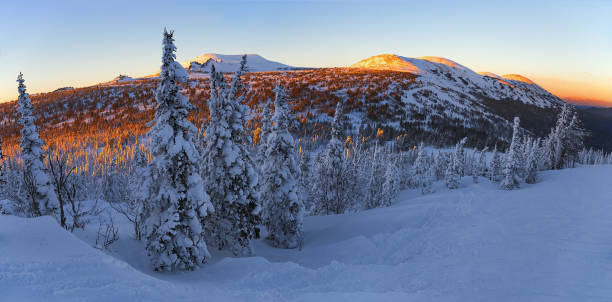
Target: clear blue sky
(566, 46)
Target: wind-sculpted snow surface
(544, 242)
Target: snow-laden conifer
(531, 168)
(439, 165)
(176, 201)
(456, 166)
(495, 168)
(283, 208)
(378, 166)
(391, 185)
(482, 162)
(512, 159)
(265, 129)
(227, 169)
(40, 196)
(330, 191)
(422, 171)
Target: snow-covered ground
(551, 241)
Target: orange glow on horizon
(578, 91)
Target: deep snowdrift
(546, 242)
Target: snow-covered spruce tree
(329, 192)
(176, 201)
(482, 162)
(422, 171)
(3, 167)
(512, 160)
(391, 185)
(452, 177)
(574, 140)
(229, 175)
(439, 166)
(456, 166)
(283, 208)
(40, 196)
(566, 139)
(495, 169)
(405, 165)
(376, 195)
(266, 128)
(459, 156)
(557, 137)
(531, 168)
(358, 165)
(305, 171)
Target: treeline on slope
(187, 190)
(112, 117)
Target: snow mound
(544, 242)
(231, 63)
(39, 261)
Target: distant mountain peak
(447, 75)
(387, 62)
(231, 63)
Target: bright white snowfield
(551, 241)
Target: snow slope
(550, 241)
(231, 63)
(441, 74)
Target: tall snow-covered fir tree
(376, 196)
(512, 159)
(557, 137)
(456, 166)
(40, 196)
(227, 169)
(283, 208)
(176, 201)
(482, 162)
(495, 168)
(265, 129)
(304, 169)
(565, 140)
(422, 172)
(329, 193)
(3, 167)
(440, 165)
(531, 167)
(459, 156)
(391, 185)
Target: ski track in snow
(551, 241)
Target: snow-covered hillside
(545, 242)
(231, 63)
(440, 74)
